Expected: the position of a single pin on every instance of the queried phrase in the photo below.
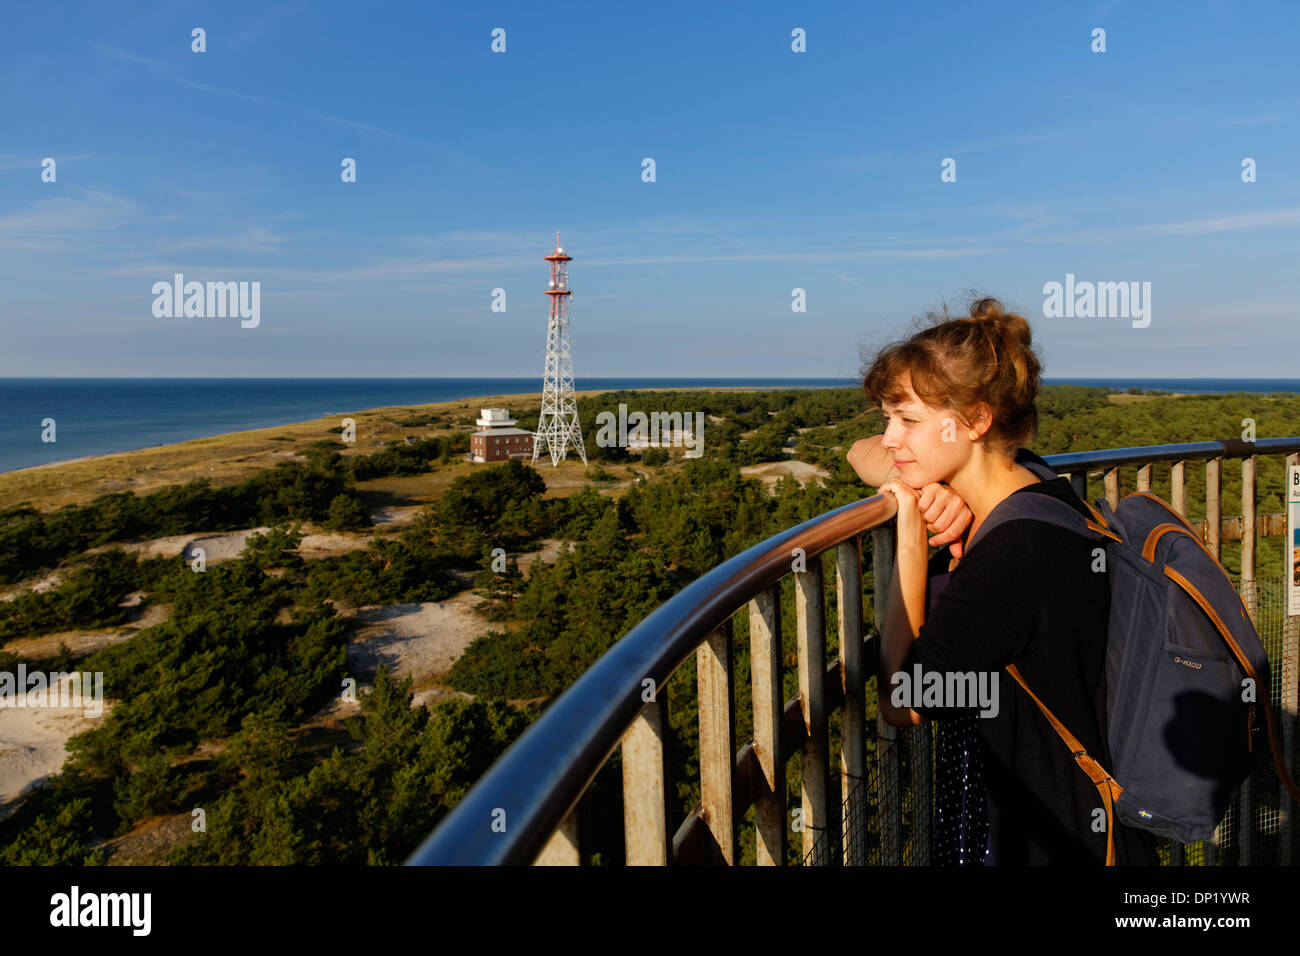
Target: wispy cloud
(1260, 120)
(1207, 225)
(254, 239)
(1260, 219)
(53, 222)
(34, 162)
(845, 255)
(166, 71)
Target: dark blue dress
(961, 819)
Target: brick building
(497, 440)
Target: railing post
(1249, 587)
(1248, 581)
(1213, 517)
(1290, 678)
(717, 740)
(922, 765)
(814, 765)
(889, 799)
(646, 834)
(1144, 478)
(1111, 482)
(1178, 487)
(770, 820)
(853, 733)
(562, 849)
(1079, 482)
(1213, 533)
(889, 808)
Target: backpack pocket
(1186, 732)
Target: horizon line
(633, 378)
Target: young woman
(959, 400)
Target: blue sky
(774, 170)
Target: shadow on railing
(523, 810)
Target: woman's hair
(957, 363)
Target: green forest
(214, 708)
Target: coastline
(231, 457)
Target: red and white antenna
(557, 427)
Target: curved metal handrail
(541, 777)
(1145, 454)
(544, 773)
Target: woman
(961, 824)
(959, 400)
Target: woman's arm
(905, 610)
(874, 465)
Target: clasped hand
(935, 507)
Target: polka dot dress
(961, 823)
(961, 820)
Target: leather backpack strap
(1106, 785)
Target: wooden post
(646, 833)
(1111, 482)
(717, 740)
(562, 848)
(771, 823)
(1248, 582)
(1290, 683)
(1178, 489)
(1213, 517)
(1079, 482)
(853, 733)
(814, 765)
(1249, 587)
(1144, 478)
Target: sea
(99, 416)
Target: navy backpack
(1187, 675)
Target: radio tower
(557, 428)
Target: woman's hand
(911, 526)
(936, 507)
(946, 514)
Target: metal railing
(523, 810)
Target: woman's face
(929, 444)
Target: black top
(1026, 594)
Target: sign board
(1293, 539)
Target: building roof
(501, 431)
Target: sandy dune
(420, 640)
(32, 743)
(772, 471)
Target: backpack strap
(1043, 507)
(1101, 778)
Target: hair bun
(988, 309)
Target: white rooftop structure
(495, 418)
